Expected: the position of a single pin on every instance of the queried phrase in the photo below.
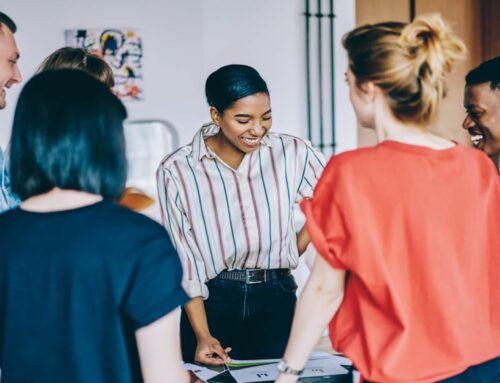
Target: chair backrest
(147, 142)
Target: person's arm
(317, 305)
(194, 279)
(159, 351)
(179, 229)
(209, 350)
(312, 165)
(303, 240)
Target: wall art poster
(121, 49)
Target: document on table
(265, 370)
(324, 366)
(315, 355)
(201, 372)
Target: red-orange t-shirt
(418, 231)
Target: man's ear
(214, 114)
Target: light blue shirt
(7, 199)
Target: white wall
(185, 40)
(270, 35)
(267, 35)
(171, 31)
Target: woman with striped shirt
(227, 202)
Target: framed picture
(122, 49)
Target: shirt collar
(199, 147)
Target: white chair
(147, 142)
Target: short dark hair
(68, 133)
(8, 22)
(79, 58)
(229, 83)
(487, 71)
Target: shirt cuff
(196, 289)
(317, 236)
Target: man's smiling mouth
(477, 137)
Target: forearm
(317, 305)
(159, 351)
(208, 350)
(303, 240)
(195, 310)
(314, 311)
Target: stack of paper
(320, 364)
(269, 372)
(202, 373)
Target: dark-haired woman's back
(75, 286)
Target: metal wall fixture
(320, 78)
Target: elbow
(330, 295)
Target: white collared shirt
(220, 218)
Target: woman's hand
(210, 352)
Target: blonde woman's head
(78, 58)
(407, 62)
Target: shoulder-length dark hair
(68, 133)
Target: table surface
(322, 345)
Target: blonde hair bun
(407, 61)
(430, 41)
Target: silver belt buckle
(248, 276)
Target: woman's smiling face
(246, 122)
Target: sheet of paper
(323, 367)
(236, 363)
(269, 372)
(325, 355)
(201, 372)
(264, 373)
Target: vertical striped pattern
(216, 212)
(243, 222)
(220, 218)
(278, 196)
(256, 212)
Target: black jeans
(487, 372)
(253, 319)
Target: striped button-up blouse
(222, 219)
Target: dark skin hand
(209, 350)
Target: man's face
(9, 54)
(482, 105)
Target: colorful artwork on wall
(122, 50)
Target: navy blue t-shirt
(74, 287)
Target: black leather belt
(251, 276)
